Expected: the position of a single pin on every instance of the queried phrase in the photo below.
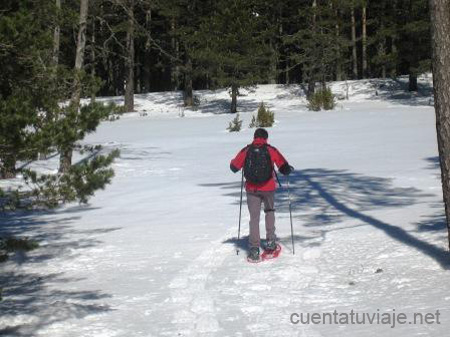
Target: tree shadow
(398, 93)
(223, 106)
(394, 91)
(37, 296)
(434, 163)
(142, 153)
(323, 199)
(434, 223)
(43, 297)
(293, 91)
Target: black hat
(261, 133)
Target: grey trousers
(254, 200)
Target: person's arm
(238, 162)
(281, 162)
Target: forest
(63, 51)
(120, 211)
(152, 45)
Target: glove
(286, 169)
(233, 168)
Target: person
(257, 160)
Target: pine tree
(27, 85)
(32, 119)
(232, 45)
(414, 39)
(185, 17)
(316, 48)
(384, 59)
(264, 117)
(235, 125)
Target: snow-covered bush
(265, 117)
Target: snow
(154, 254)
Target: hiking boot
(253, 255)
(271, 245)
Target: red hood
(259, 141)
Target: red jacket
(238, 162)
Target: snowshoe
(271, 254)
(253, 255)
(271, 245)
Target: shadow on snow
(323, 199)
(39, 295)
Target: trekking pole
(290, 208)
(240, 212)
(290, 215)
(278, 179)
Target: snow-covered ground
(155, 253)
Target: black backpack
(258, 165)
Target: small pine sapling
(321, 99)
(265, 117)
(235, 125)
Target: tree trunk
(311, 70)
(188, 91)
(146, 62)
(364, 42)
(79, 57)
(314, 6)
(393, 71)
(138, 70)
(383, 71)
(207, 80)
(66, 151)
(146, 75)
(234, 93)
(288, 79)
(111, 78)
(311, 87)
(56, 36)
(338, 48)
(175, 69)
(354, 53)
(55, 59)
(65, 159)
(273, 63)
(286, 55)
(382, 52)
(8, 169)
(129, 85)
(440, 27)
(412, 82)
(93, 56)
(381, 49)
(105, 60)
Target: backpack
(258, 164)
